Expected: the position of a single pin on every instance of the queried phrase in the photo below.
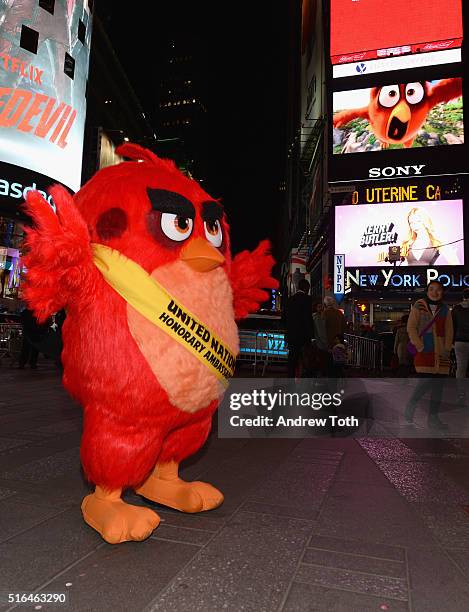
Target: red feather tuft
(58, 260)
(250, 273)
(136, 152)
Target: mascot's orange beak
(398, 121)
(201, 256)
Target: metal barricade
(10, 341)
(265, 347)
(247, 346)
(365, 353)
(262, 347)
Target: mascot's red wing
(249, 272)
(59, 259)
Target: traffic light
(363, 307)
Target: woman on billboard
(422, 247)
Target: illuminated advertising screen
(403, 190)
(380, 35)
(410, 281)
(398, 116)
(9, 271)
(421, 233)
(44, 57)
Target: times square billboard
(399, 110)
(397, 236)
(373, 36)
(398, 162)
(44, 60)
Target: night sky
(246, 97)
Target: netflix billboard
(44, 59)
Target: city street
(256, 220)
(317, 524)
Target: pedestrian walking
(430, 329)
(51, 342)
(335, 326)
(32, 333)
(340, 356)
(460, 316)
(320, 340)
(401, 343)
(334, 320)
(299, 325)
(319, 327)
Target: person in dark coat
(32, 333)
(401, 342)
(299, 324)
(334, 320)
(460, 314)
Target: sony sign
(391, 171)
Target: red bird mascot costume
(140, 259)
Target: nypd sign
(339, 277)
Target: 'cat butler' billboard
(44, 59)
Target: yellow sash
(152, 300)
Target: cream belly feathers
(189, 384)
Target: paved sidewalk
(318, 524)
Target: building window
(29, 39)
(69, 66)
(81, 31)
(47, 5)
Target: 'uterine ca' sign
(396, 193)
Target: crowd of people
(431, 342)
(315, 337)
(36, 339)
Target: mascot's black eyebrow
(171, 202)
(212, 211)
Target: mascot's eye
(414, 93)
(213, 232)
(389, 96)
(176, 227)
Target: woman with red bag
(430, 329)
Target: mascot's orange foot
(184, 496)
(117, 521)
